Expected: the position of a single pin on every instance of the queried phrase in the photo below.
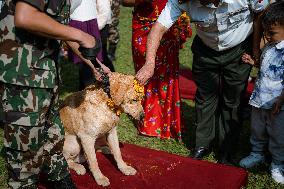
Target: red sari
(162, 99)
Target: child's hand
(277, 105)
(246, 58)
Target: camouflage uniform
(113, 37)
(34, 134)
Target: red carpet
(188, 87)
(161, 170)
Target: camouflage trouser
(34, 135)
(113, 37)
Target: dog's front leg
(88, 144)
(114, 146)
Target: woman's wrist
(150, 63)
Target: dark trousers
(221, 78)
(104, 36)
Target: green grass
(258, 178)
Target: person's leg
(85, 76)
(24, 110)
(113, 35)
(275, 130)
(258, 139)
(206, 75)
(259, 135)
(276, 145)
(104, 36)
(235, 75)
(54, 165)
(234, 78)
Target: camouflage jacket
(25, 58)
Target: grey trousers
(267, 131)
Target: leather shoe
(199, 153)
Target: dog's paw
(102, 180)
(128, 170)
(80, 169)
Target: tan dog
(89, 115)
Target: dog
(90, 114)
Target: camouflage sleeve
(39, 4)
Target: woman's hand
(146, 72)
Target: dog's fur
(87, 117)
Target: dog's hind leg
(114, 146)
(71, 152)
(88, 144)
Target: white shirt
(84, 10)
(221, 27)
(104, 13)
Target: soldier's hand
(87, 41)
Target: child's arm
(246, 58)
(277, 105)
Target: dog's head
(124, 93)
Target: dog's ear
(118, 87)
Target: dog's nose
(142, 115)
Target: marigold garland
(139, 91)
(138, 88)
(113, 107)
(182, 28)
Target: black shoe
(200, 152)
(65, 183)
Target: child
(267, 119)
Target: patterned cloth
(270, 82)
(27, 59)
(162, 98)
(33, 132)
(114, 37)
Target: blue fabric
(270, 82)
